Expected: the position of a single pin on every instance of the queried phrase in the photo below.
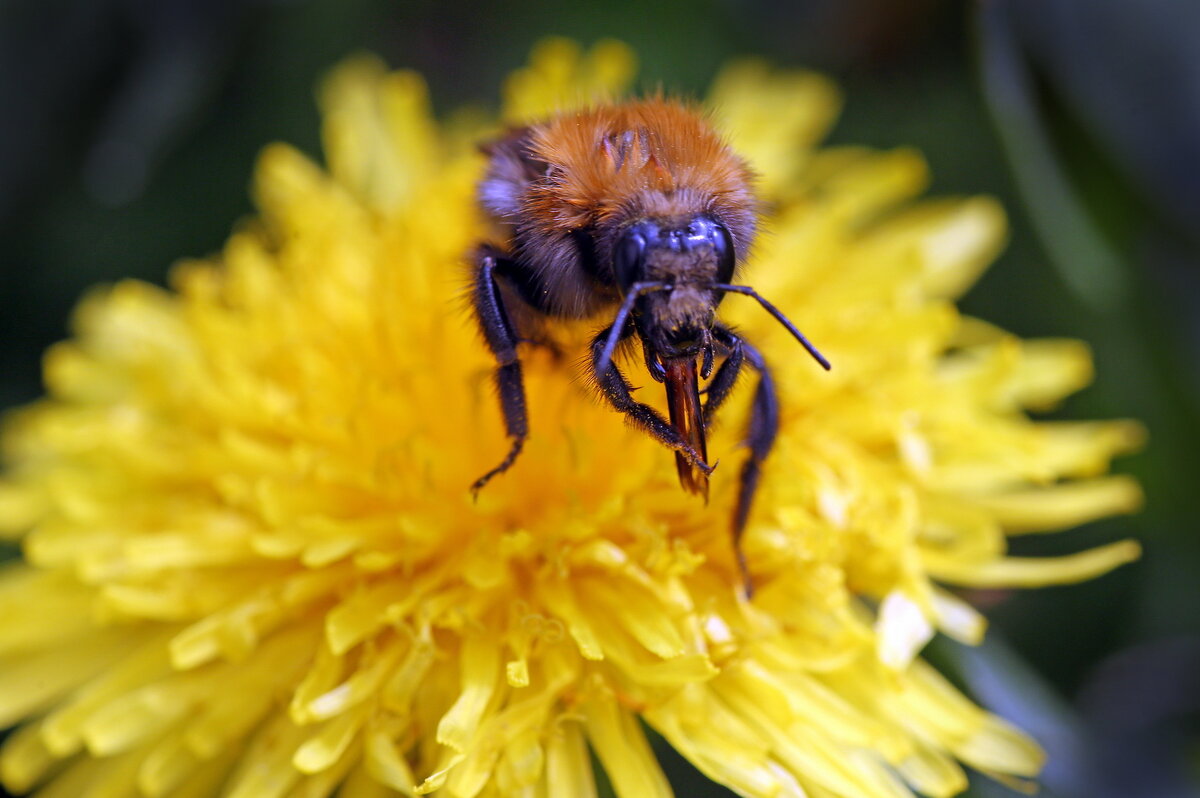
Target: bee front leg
(617, 390)
(727, 374)
(488, 304)
(761, 431)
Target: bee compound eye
(723, 245)
(629, 259)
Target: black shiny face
(687, 256)
(698, 251)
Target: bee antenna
(618, 325)
(779, 317)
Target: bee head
(690, 254)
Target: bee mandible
(642, 209)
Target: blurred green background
(128, 129)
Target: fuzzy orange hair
(657, 154)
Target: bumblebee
(639, 211)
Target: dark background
(128, 129)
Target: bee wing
(687, 416)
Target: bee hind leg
(501, 338)
(618, 392)
(761, 430)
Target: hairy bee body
(639, 207)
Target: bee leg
(502, 340)
(653, 364)
(723, 381)
(760, 434)
(617, 390)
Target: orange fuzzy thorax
(655, 157)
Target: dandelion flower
(253, 567)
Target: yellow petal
(266, 770)
(998, 747)
(523, 761)
(1036, 571)
(135, 717)
(932, 773)
(561, 76)
(20, 509)
(386, 763)
(958, 619)
(323, 750)
(901, 629)
(479, 665)
(1063, 506)
(169, 763)
(1051, 369)
(720, 744)
(406, 680)
(958, 240)
(25, 759)
(361, 784)
(622, 748)
(568, 768)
